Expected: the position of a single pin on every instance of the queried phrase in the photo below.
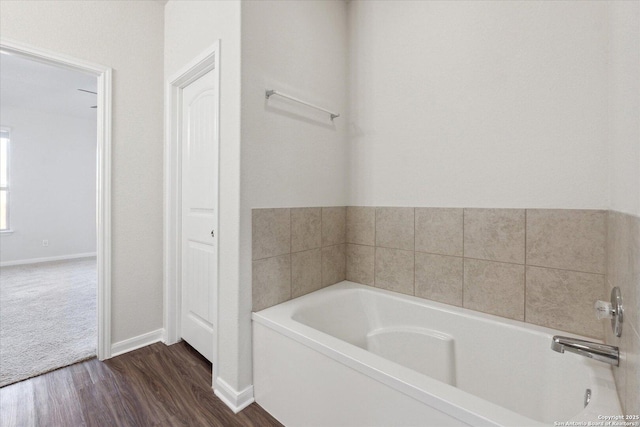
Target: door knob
(213, 234)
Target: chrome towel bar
(270, 92)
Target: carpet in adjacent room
(47, 317)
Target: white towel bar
(270, 92)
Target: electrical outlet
(45, 243)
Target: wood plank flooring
(153, 386)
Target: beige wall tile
(394, 270)
(395, 228)
(334, 225)
(439, 230)
(360, 264)
(361, 225)
(619, 373)
(634, 254)
(271, 281)
(612, 235)
(627, 375)
(494, 234)
(271, 232)
(632, 358)
(494, 287)
(623, 270)
(306, 272)
(439, 278)
(563, 300)
(623, 262)
(334, 265)
(306, 230)
(566, 238)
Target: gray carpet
(47, 317)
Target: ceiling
(34, 85)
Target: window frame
(7, 188)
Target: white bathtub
(352, 355)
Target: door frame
(208, 60)
(103, 174)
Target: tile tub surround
(296, 251)
(543, 266)
(623, 270)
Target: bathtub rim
(451, 400)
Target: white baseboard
(135, 343)
(235, 400)
(47, 259)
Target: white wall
(190, 28)
(452, 104)
(478, 104)
(294, 158)
(624, 107)
(53, 185)
(291, 155)
(127, 36)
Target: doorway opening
(55, 211)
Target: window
(4, 179)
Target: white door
(200, 212)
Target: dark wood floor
(153, 386)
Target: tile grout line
(308, 250)
(414, 251)
(375, 242)
(344, 243)
(442, 255)
(480, 259)
(606, 249)
(290, 258)
(524, 302)
(463, 258)
(565, 269)
(321, 251)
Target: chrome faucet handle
(604, 310)
(612, 310)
